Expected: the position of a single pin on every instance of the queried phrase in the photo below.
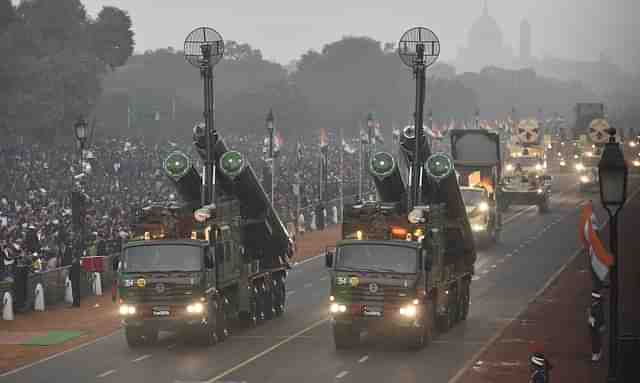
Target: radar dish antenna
(203, 45)
(417, 46)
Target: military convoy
(197, 269)
(397, 269)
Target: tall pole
(341, 172)
(419, 71)
(270, 129)
(370, 146)
(360, 154)
(206, 70)
(613, 297)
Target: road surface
(298, 347)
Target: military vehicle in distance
(196, 270)
(477, 159)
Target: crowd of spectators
(120, 175)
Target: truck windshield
(396, 259)
(472, 197)
(162, 258)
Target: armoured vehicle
(197, 269)
(477, 158)
(399, 270)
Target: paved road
(299, 347)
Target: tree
(112, 36)
(7, 14)
(236, 51)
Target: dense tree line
(54, 57)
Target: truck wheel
(425, 334)
(543, 207)
(465, 299)
(260, 301)
(222, 331)
(280, 295)
(134, 336)
(268, 303)
(345, 336)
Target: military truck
(398, 270)
(525, 180)
(477, 159)
(197, 269)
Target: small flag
(324, 141)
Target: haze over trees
(53, 58)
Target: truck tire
(345, 336)
(222, 331)
(543, 207)
(134, 336)
(465, 299)
(268, 302)
(260, 302)
(280, 295)
(424, 336)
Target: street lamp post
(80, 128)
(270, 129)
(612, 171)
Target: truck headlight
(509, 167)
(127, 309)
(538, 167)
(632, 144)
(477, 227)
(337, 308)
(636, 163)
(409, 311)
(562, 163)
(195, 308)
(483, 206)
(540, 191)
(584, 179)
(579, 167)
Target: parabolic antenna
(201, 43)
(419, 45)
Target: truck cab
(526, 181)
(166, 285)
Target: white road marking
(267, 351)
(106, 373)
(291, 292)
(363, 359)
(509, 255)
(141, 358)
(342, 374)
(26, 366)
(494, 266)
(485, 271)
(324, 278)
(475, 278)
(307, 285)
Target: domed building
(486, 46)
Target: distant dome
(485, 31)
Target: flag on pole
(324, 141)
(277, 142)
(601, 260)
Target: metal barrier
(53, 282)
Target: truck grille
(152, 292)
(383, 300)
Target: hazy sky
(284, 29)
